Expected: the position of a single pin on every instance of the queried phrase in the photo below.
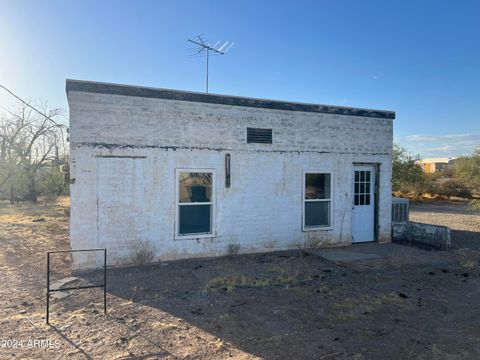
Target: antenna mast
(203, 47)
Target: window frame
(212, 232)
(332, 190)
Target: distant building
(433, 165)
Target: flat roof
(169, 94)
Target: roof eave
(169, 94)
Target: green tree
(52, 183)
(467, 169)
(407, 175)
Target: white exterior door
(363, 214)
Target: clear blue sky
(419, 58)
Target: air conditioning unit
(400, 210)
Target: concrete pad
(374, 255)
(57, 284)
(60, 295)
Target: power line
(32, 107)
(60, 126)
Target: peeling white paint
(117, 200)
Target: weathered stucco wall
(138, 143)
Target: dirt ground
(408, 304)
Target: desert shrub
(307, 245)
(467, 169)
(407, 175)
(15, 187)
(52, 183)
(432, 177)
(48, 181)
(475, 204)
(454, 188)
(141, 252)
(233, 249)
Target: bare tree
(28, 141)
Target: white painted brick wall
(261, 211)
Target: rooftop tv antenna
(207, 49)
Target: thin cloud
(441, 145)
(422, 138)
(442, 148)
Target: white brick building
(193, 173)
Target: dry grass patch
(308, 245)
(273, 276)
(37, 222)
(468, 258)
(162, 325)
(350, 309)
(400, 258)
(220, 345)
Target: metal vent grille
(261, 136)
(400, 210)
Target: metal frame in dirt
(104, 285)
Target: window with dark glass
(362, 191)
(195, 203)
(317, 200)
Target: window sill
(318, 228)
(194, 236)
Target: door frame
(376, 168)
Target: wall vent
(261, 136)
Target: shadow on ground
(285, 305)
(465, 239)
